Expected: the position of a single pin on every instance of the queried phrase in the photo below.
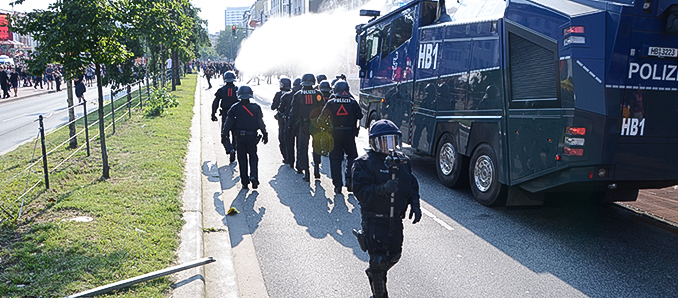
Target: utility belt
(243, 133)
(375, 215)
(344, 127)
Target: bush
(161, 100)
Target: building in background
(14, 45)
(234, 16)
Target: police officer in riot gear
(291, 129)
(306, 105)
(245, 118)
(225, 97)
(319, 78)
(384, 185)
(344, 113)
(296, 85)
(285, 86)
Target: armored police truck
(527, 97)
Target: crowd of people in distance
(14, 76)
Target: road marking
(15, 117)
(436, 219)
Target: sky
(210, 10)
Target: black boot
(316, 171)
(307, 176)
(377, 284)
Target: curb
(650, 218)
(191, 283)
(13, 99)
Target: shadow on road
(322, 212)
(599, 249)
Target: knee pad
(379, 262)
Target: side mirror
(362, 50)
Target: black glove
(416, 211)
(390, 186)
(265, 138)
(214, 118)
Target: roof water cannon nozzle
(370, 13)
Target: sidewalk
(28, 92)
(657, 204)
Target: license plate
(662, 52)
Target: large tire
(484, 178)
(449, 162)
(372, 119)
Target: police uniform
(225, 97)
(307, 103)
(317, 133)
(290, 129)
(344, 112)
(382, 230)
(281, 116)
(245, 118)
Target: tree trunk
(71, 115)
(102, 127)
(176, 70)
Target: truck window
(372, 45)
(385, 34)
(428, 13)
(402, 30)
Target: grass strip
(136, 213)
(13, 164)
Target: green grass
(137, 213)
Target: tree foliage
(76, 33)
(228, 45)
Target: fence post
(140, 92)
(112, 111)
(84, 107)
(148, 88)
(129, 101)
(44, 152)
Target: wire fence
(21, 178)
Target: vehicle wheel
(484, 178)
(373, 118)
(449, 162)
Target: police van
(521, 98)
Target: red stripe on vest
(244, 107)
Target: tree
(77, 33)
(229, 45)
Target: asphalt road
(18, 118)
(567, 248)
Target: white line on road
(436, 219)
(15, 117)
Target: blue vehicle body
(527, 97)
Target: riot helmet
(229, 77)
(324, 86)
(321, 77)
(341, 89)
(385, 136)
(308, 80)
(285, 84)
(296, 86)
(245, 92)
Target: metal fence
(37, 172)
